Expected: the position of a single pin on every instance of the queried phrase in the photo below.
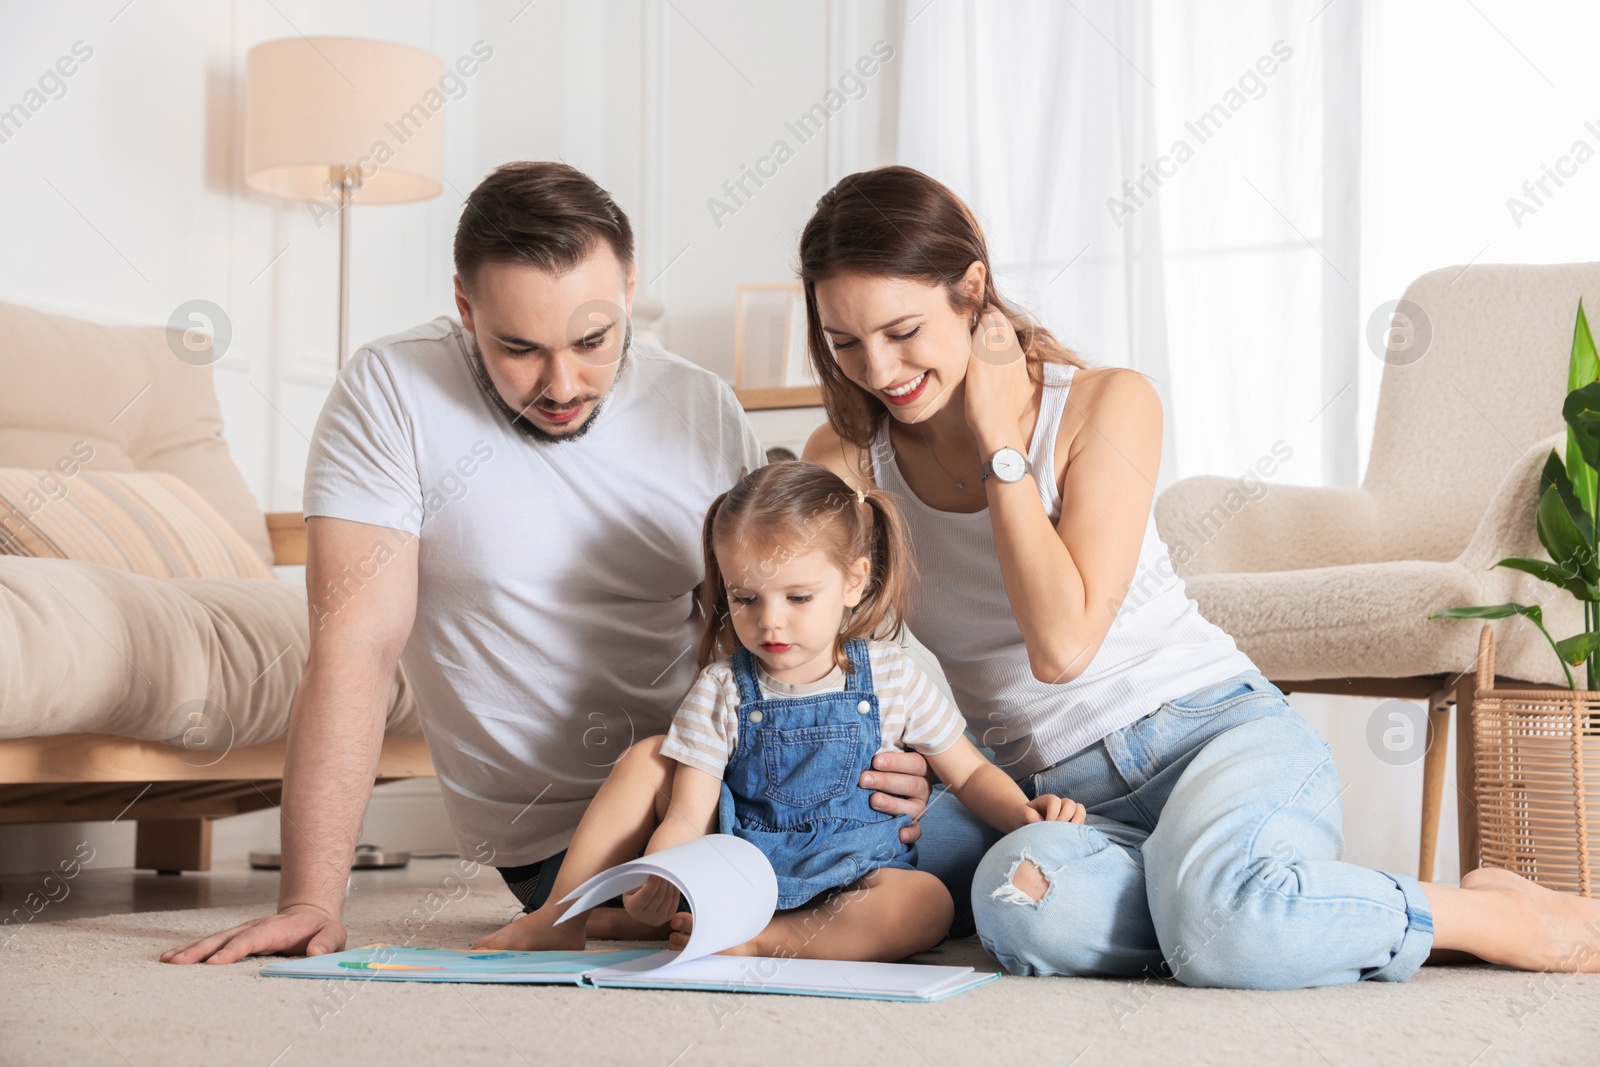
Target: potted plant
(1567, 518)
(1534, 750)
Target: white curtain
(1170, 185)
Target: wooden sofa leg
(1433, 763)
(1467, 774)
(172, 845)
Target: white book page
(730, 886)
(756, 974)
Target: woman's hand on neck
(999, 398)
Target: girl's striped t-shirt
(912, 711)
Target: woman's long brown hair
(896, 222)
(790, 508)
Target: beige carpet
(90, 991)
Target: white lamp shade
(314, 105)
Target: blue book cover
(396, 963)
(639, 969)
(728, 912)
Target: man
(512, 505)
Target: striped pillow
(148, 523)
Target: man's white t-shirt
(555, 619)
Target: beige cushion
(1370, 620)
(118, 399)
(151, 524)
(89, 649)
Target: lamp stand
(347, 191)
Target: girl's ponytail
(717, 638)
(881, 614)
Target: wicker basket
(1537, 753)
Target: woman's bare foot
(534, 932)
(1528, 926)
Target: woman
(1213, 839)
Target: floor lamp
(336, 121)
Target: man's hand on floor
(298, 930)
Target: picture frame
(769, 337)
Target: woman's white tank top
(1159, 646)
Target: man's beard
(520, 421)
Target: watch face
(1009, 465)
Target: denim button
(864, 707)
(755, 716)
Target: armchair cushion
(1217, 525)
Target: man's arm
(361, 585)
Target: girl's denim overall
(792, 786)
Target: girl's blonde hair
(789, 509)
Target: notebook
(731, 890)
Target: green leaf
(1546, 571)
(1579, 647)
(1493, 611)
(1501, 611)
(1561, 538)
(1582, 369)
(1581, 409)
(1555, 476)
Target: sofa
(149, 653)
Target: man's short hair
(545, 214)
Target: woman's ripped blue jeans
(1211, 854)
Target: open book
(731, 891)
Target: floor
(80, 985)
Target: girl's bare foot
(681, 926)
(1537, 929)
(780, 938)
(614, 924)
(536, 932)
(887, 915)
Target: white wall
(134, 200)
(1463, 105)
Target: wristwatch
(1008, 465)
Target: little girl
(801, 685)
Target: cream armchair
(1329, 590)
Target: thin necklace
(961, 483)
